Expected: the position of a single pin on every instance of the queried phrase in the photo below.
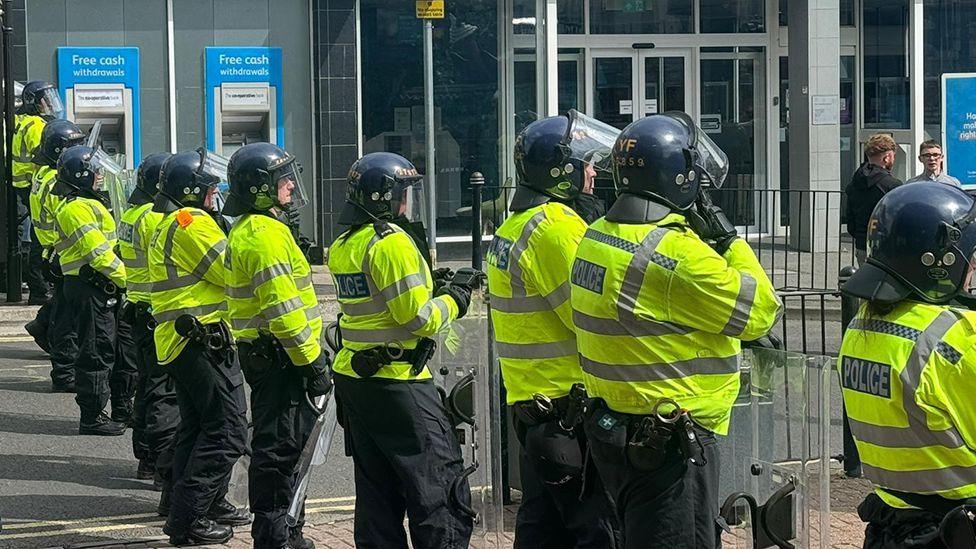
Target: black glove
(711, 224)
(318, 380)
(460, 294)
(768, 341)
(442, 276)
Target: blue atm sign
(243, 64)
(959, 126)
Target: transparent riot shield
(775, 462)
(466, 373)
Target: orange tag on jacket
(184, 218)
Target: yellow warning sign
(430, 9)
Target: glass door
(627, 84)
(664, 81)
(733, 113)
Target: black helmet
(147, 178)
(921, 241)
(263, 176)
(76, 173)
(665, 158)
(185, 180)
(41, 98)
(58, 135)
(552, 154)
(376, 185)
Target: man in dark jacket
(869, 183)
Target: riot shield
(775, 461)
(466, 373)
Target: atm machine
(244, 112)
(110, 104)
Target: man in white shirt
(930, 155)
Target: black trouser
(559, 509)
(126, 371)
(34, 274)
(95, 317)
(212, 433)
(890, 528)
(281, 422)
(62, 333)
(674, 506)
(406, 458)
(157, 412)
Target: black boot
(224, 512)
(146, 470)
(122, 413)
(101, 425)
(202, 532)
(39, 333)
(163, 508)
(297, 541)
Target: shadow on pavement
(31, 424)
(26, 384)
(111, 474)
(21, 353)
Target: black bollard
(477, 184)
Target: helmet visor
(712, 161)
(408, 199)
(50, 104)
(18, 95)
(111, 181)
(590, 141)
(213, 166)
(289, 189)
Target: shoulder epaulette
(383, 229)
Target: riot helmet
(921, 242)
(41, 98)
(382, 185)
(57, 136)
(189, 180)
(263, 177)
(554, 156)
(665, 158)
(147, 178)
(88, 172)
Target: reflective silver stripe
(518, 248)
(112, 267)
(141, 260)
(270, 272)
(173, 281)
(21, 177)
(171, 272)
(303, 281)
(531, 304)
(87, 258)
(281, 309)
(377, 335)
(199, 311)
(559, 295)
(239, 292)
(138, 286)
(923, 481)
(297, 339)
(137, 263)
(24, 155)
(403, 286)
(662, 371)
(555, 349)
(743, 306)
(613, 327)
(365, 308)
(70, 240)
(425, 313)
(917, 434)
(111, 236)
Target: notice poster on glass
(959, 126)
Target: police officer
(57, 136)
(40, 103)
(528, 277)
(662, 293)
(275, 319)
(156, 413)
(193, 343)
(406, 457)
(908, 364)
(94, 279)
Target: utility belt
(143, 314)
(265, 348)
(567, 410)
(367, 362)
(652, 439)
(101, 282)
(214, 337)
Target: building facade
(351, 80)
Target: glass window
(569, 14)
(886, 82)
(570, 77)
(641, 16)
(948, 47)
(732, 15)
(846, 12)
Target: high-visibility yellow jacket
(44, 204)
(86, 236)
(659, 314)
(136, 230)
(27, 136)
(385, 294)
(187, 274)
(908, 377)
(269, 288)
(528, 276)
